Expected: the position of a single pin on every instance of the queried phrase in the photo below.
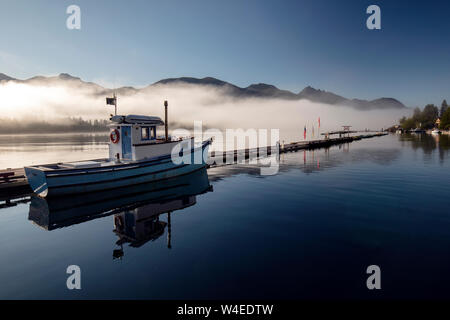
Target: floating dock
(245, 154)
(14, 185)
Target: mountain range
(260, 90)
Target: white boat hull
(75, 181)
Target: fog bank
(187, 103)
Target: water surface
(308, 232)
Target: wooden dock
(246, 154)
(14, 185)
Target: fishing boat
(136, 155)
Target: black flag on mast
(111, 101)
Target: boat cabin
(134, 137)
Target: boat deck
(78, 164)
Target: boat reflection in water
(136, 209)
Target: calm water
(308, 232)
(22, 150)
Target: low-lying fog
(187, 103)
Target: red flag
(319, 122)
(304, 133)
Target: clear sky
(290, 44)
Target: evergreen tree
(445, 120)
(444, 108)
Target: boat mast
(166, 125)
(115, 104)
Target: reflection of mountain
(136, 209)
(259, 90)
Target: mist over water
(187, 103)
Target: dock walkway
(245, 154)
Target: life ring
(114, 136)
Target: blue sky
(290, 44)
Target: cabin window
(145, 134)
(148, 133)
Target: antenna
(115, 103)
(166, 120)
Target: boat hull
(65, 182)
(57, 212)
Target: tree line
(15, 126)
(426, 118)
